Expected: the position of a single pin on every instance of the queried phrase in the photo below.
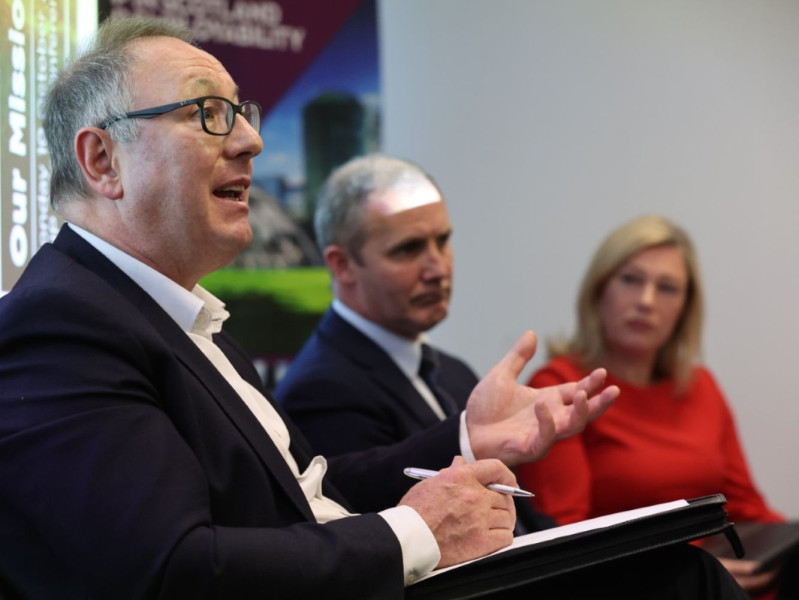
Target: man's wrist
(420, 552)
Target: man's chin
(232, 245)
(430, 320)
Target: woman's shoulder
(701, 376)
(703, 385)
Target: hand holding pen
(416, 473)
(467, 519)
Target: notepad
(573, 547)
(554, 533)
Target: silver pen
(415, 473)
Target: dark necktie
(429, 371)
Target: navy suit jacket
(346, 394)
(129, 468)
(353, 402)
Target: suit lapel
(377, 365)
(192, 357)
(243, 419)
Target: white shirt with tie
(407, 355)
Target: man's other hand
(518, 424)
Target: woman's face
(642, 302)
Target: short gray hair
(94, 86)
(339, 211)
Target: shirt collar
(183, 306)
(407, 354)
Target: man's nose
(243, 139)
(437, 262)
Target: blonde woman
(671, 433)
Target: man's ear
(339, 262)
(95, 152)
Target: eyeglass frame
(156, 111)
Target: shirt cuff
(420, 553)
(465, 443)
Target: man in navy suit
(138, 456)
(360, 381)
(363, 379)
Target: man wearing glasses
(138, 458)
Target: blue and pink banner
(313, 66)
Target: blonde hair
(677, 357)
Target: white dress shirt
(200, 315)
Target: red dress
(649, 447)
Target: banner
(37, 36)
(264, 45)
(313, 66)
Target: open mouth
(232, 192)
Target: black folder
(700, 518)
(768, 544)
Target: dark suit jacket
(353, 401)
(346, 394)
(129, 468)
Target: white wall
(548, 123)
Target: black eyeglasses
(217, 114)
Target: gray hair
(94, 86)
(339, 212)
